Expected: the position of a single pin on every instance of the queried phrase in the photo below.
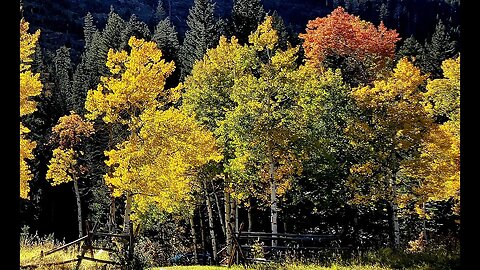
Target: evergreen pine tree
(166, 38)
(160, 13)
(411, 48)
(246, 16)
(201, 35)
(111, 38)
(440, 47)
(63, 89)
(88, 29)
(134, 27)
(279, 25)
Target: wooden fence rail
(87, 245)
(292, 241)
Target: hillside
(62, 21)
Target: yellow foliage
(439, 163)
(137, 83)
(62, 166)
(443, 95)
(158, 163)
(394, 124)
(26, 152)
(265, 37)
(30, 86)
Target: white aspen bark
(210, 222)
(273, 199)
(79, 207)
(128, 210)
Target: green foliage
(246, 16)
(63, 71)
(166, 38)
(440, 47)
(160, 13)
(201, 35)
(411, 49)
(88, 29)
(135, 28)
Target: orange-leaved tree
(66, 163)
(344, 40)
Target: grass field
(280, 267)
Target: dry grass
(30, 254)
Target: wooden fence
(89, 243)
(244, 242)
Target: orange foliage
(71, 129)
(347, 35)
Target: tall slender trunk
(220, 216)
(232, 218)
(202, 234)
(128, 210)
(232, 213)
(273, 200)
(227, 221)
(210, 222)
(424, 224)
(111, 216)
(79, 207)
(395, 226)
(249, 213)
(394, 216)
(236, 215)
(194, 238)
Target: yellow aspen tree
(438, 166)
(30, 86)
(207, 97)
(157, 160)
(137, 82)
(157, 165)
(390, 129)
(270, 118)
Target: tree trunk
(232, 213)
(79, 207)
(273, 212)
(395, 226)
(111, 216)
(232, 217)
(273, 199)
(210, 222)
(227, 222)
(202, 234)
(424, 224)
(249, 212)
(220, 216)
(236, 216)
(194, 238)
(128, 210)
(394, 217)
